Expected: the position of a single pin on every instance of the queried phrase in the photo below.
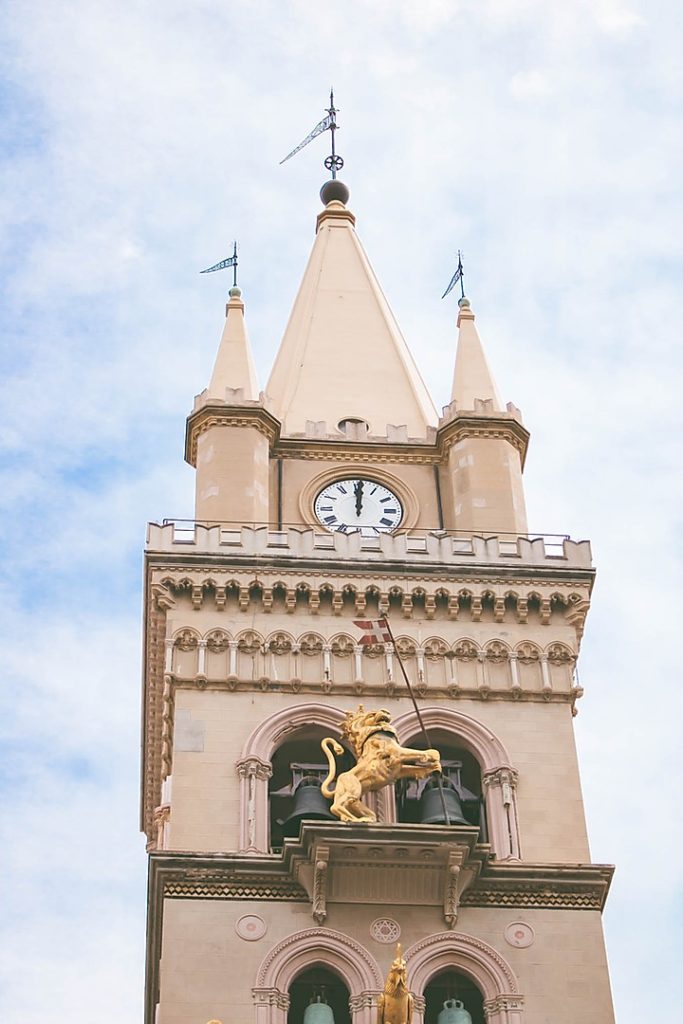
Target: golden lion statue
(395, 1004)
(380, 760)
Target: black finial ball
(334, 189)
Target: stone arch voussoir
(351, 961)
(466, 954)
(484, 744)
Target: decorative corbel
(451, 896)
(319, 908)
(162, 596)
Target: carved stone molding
(348, 958)
(252, 767)
(465, 425)
(319, 908)
(221, 415)
(491, 972)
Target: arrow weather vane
(231, 261)
(333, 162)
(457, 276)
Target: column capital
(253, 767)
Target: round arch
(255, 768)
(341, 954)
(478, 961)
(477, 738)
(499, 778)
(268, 734)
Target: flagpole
(419, 716)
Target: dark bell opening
(294, 790)
(318, 981)
(452, 985)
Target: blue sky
(138, 139)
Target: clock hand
(358, 491)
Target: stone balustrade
(429, 547)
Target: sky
(137, 140)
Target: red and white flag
(375, 631)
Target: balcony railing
(301, 541)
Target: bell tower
(329, 505)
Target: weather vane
(231, 261)
(457, 276)
(333, 162)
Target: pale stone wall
(232, 475)
(486, 490)
(212, 726)
(208, 972)
(303, 480)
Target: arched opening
(451, 985)
(315, 983)
(417, 800)
(299, 767)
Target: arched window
(478, 975)
(318, 983)
(498, 777)
(451, 985)
(338, 955)
(417, 801)
(255, 766)
(298, 768)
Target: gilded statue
(380, 760)
(395, 1004)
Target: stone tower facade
(252, 657)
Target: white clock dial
(358, 504)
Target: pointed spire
(234, 366)
(342, 354)
(472, 378)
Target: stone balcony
(304, 543)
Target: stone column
(501, 812)
(254, 775)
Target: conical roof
(342, 355)
(234, 366)
(472, 377)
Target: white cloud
(529, 85)
(539, 138)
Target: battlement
(425, 547)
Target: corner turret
(486, 443)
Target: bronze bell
(454, 1012)
(431, 805)
(318, 1012)
(309, 805)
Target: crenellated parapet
(448, 548)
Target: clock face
(358, 504)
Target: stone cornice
(330, 448)
(224, 876)
(543, 886)
(393, 573)
(219, 414)
(464, 425)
